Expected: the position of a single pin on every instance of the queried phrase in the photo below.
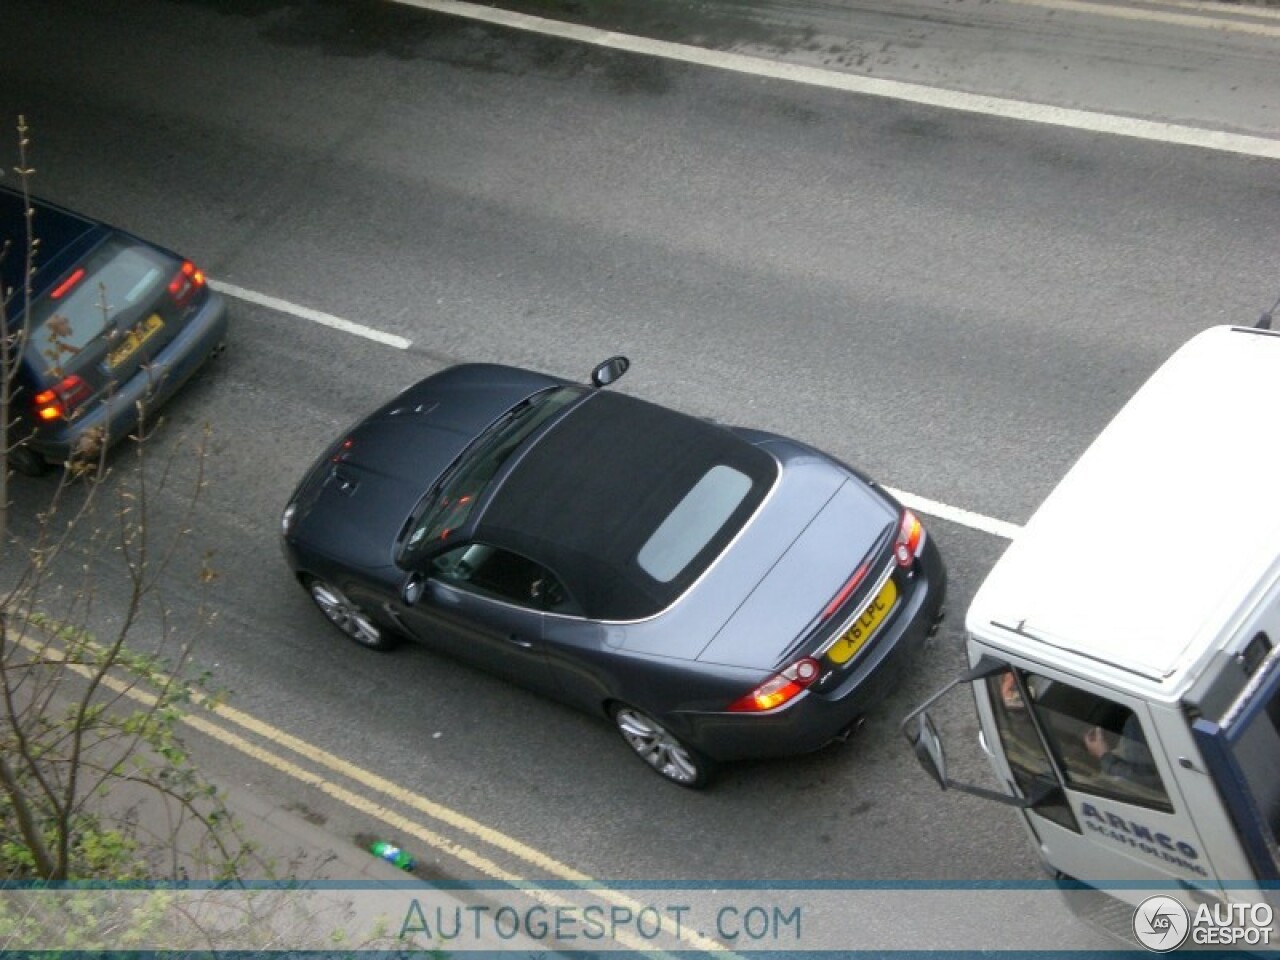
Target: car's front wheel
(661, 749)
(347, 616)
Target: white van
(1125, 650)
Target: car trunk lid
(784, 611)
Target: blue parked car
(111, 322)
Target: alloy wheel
(347, 616)
(661, 749)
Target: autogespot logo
(1161, 924)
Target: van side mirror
(610, 371)
(920, 732)
(928, 749)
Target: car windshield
(449, 504)
(113, 288)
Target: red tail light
(60, 401)
(782, 688)
(911, 538)
(186, 283)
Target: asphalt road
(957, 303)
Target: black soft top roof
(591, 491)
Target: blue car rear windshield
(112, 289)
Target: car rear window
(616, 478)
(114, 287)
(696, 519)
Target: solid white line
(315, 316)
(910, 92)
(966, 518)
(1197, 20)
(1226, 8)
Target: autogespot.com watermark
(1161, 923)
(641, 919)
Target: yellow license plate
(134, 339)
(856, 637)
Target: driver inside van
(1128, 758)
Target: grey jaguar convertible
(717, 592)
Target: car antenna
(1264, 321)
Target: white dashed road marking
(966, 518)
(315, 316)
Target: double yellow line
(374, 783)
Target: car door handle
(523, 642)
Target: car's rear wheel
(347, 616)
(661, 749)
(27, 462)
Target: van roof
(1140, 559)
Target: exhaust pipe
(937, 623)
(844, 735)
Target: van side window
(1031, 766)
(1099, 745)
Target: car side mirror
(610, 371)
(412, 589)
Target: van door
(1240, 746)
(1118, 815)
